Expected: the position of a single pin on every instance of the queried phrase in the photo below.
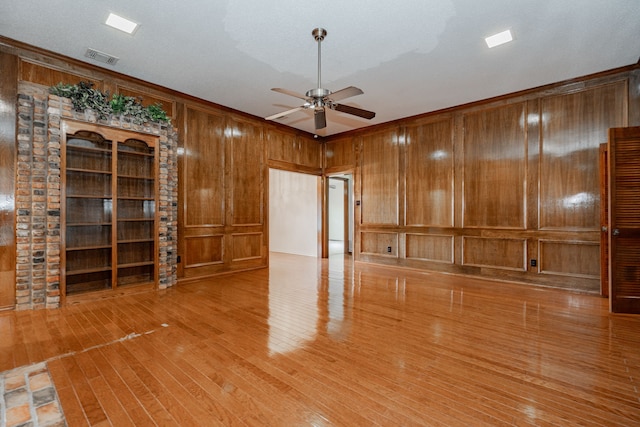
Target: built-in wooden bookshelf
(108, 213)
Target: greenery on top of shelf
(84, 96)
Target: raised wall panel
(502, 253)
(203, 250)
(374, 243)
(429, 247)
(48, 76)
(570, 258)
(247, 171)
(429, 174)
(204, 184)
(282, 146)
(309, 153)
(340, 154)
(573, 127)
(379, 178)
(293, 152)
(495, 167)
(247, 246)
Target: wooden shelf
(135, 264)
(149, 178)
(135, 153)
(88, 270)
(135, 198)
(135, 241)
(109, 212)
(86, 248)
(88, 196)
(89, 171)
(88, 149)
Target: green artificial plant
(84, 96)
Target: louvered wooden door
(624, 219)
(604, 220)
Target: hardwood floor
(326, 342)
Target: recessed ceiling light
(121, 23)
(498, 39)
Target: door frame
(348, 230)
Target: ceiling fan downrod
(319, 34)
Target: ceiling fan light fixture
(499, 38)
(320, 98)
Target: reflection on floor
(337, 247)
(324, 342)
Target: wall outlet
(389, 249)
(534, 263)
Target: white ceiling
(408, 56)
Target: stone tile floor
(28, 398)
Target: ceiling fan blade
(320, 119)
(284, 113)
(354, 111)
(290, 93)
(347, 92)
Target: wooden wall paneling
(48, 75)
(281, 146)
(379, 172)
(202, 189)
(573, 127)
(8, 99)
(604, 219)
(293, 152)
(379, 244)
(247, 171)
(247, 196)
(458, 185)
(429, 174)
(532, 179)
(340, 154)
(204, 250)
(495, 167)
(570, 258)
(429, 247)
(346, 150)
(309, 152)
(494, 252)
(203, 183)
(247, 246)
(357, 196)
(180, 124)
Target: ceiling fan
(319, 99)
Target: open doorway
(340, 214)
(294, 213)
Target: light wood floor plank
(125, 397)
(332, 342)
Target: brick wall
(38, 196)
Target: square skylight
(498, 39)
(120, 23)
